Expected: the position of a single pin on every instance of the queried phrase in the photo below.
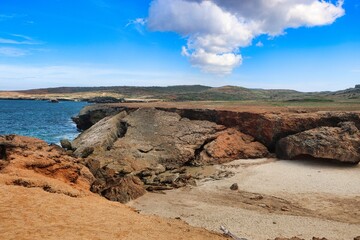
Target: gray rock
(102, 135)
(66, 144)
(87, 151)
(234, 187)
(167, 177)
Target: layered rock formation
(32, 163)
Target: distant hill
(205, 93)
(350, 93)
(124, 90)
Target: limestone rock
(340, 143)
(100, 136)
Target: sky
(306, 45)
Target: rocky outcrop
(134, 143)
(148, 137)
(266, 128)
(149, 145)
(340, 143)
(32, 163)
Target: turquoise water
(48, 121)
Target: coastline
(276, 198)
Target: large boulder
(340, 144)
(232, 144)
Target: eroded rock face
(156, 137)
(147, 142)
(340, 143)
(116, 187)
(30, 162)
(232, 144)
(266, 128)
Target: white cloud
(140, 21)
(12, 52)
(138, 24)
(216, 30)
(18, 39)
(259, 44)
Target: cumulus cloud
(216, 30)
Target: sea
(48, 121)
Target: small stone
(274, 222)
(357, 238)
(66, 144)
(234, 187)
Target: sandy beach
(275, 199)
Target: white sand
(323, 201)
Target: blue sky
(49, 43)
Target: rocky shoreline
(123, 151)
